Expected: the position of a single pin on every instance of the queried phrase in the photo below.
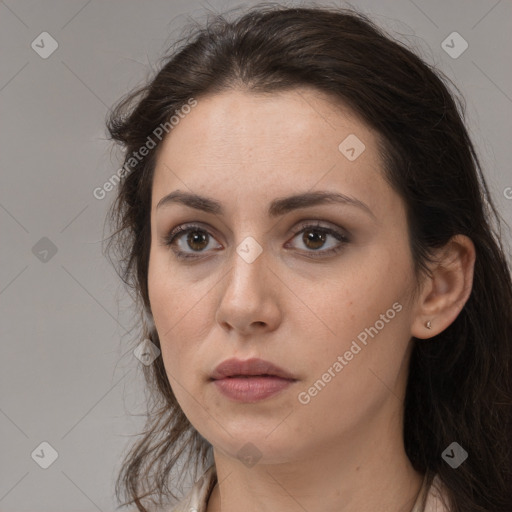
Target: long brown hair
(460, 381)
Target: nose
(249, 295)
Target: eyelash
(169, 239)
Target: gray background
(66, 374)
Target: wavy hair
(460, 381)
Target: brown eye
(191, 246)
(315, 241)
(196, 240)
(314, 238)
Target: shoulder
(197, 498)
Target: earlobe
(447, 290)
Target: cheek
(340, 395)
(182, 314)
(175, 301)
(168, 305)
(364, 320)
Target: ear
(446, 291)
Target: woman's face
(330, 308)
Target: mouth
(251, 388)
(251, 380)
(249, 368)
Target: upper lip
(234, 367)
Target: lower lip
(251, 389)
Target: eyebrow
(277, 207)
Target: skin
(343, 451)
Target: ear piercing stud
(428, 325)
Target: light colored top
(197, 498)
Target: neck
(368, 470)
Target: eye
(314, 237)
(197, 238)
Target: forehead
(234, 124)
(252, 147)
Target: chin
(262, 446)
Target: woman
(308, 233)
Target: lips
(250, 381)
(249, 368)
